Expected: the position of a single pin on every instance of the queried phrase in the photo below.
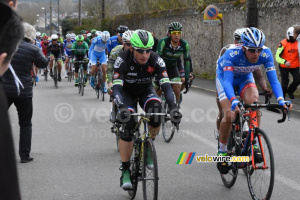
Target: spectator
(10, 35)
(11, 3)
(26, 55)
(288, 58)
(155, 42)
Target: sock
(223, 147)
(125, 165)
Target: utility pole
(252, 13)
(50, 17)
(58, 14)
(103, 9)
(79, 14)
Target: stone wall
(275, 17)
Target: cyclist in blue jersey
(116, 39)
(97, 51)
(234, 69)
(68, 50)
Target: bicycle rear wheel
(261, 181)
(168, 128)
(230, 178)
(149, 172)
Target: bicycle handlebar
(81, 62)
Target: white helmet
(54, 37)
(73, 36)
(38, 34)
(89, 34)
(290, 33)
(237, 34)
(126, 36)
(68, 36)
(105, 36)
(98, 33)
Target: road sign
(211, 12)
(220, 16)
(212, 22)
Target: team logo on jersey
(150, 69)
(161, 62)
(118, 62)
(265, 55)
(150, 95)
(116, 75)
(233, 53)
(165, 74)
(132, 67)
(228, 69)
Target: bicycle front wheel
(134, 170)
(149, 171)
(82, 82)
(55, 76)
(261, 181)
(167, 127)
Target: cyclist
(257, 74)
(117, 39)
(60, 39)
(113, 56)
(93, 35)
(80, 52)
(170, 49)
(133, 72)
(44, 45)
(55, 50)
(97, 51)
(84, 34)
(68, 49)
(235, 68)
(38, 37)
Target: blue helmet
(253, 37)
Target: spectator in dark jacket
(22, 62)
(154, 48)
(11, 32)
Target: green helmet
(82, 32)
(79, 38)
(142, 39)
(93, 32)
(175, 26)
(44, 34)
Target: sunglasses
(127, 44)
(141, 51)
(80, 41)
(254, 50)
(54, 40)
(176, 32)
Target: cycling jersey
(44, 47)
(79, 50)
(233, 66)
(98, 45)
(68, 47)
(97, 51)
(56, 49)
(288, 51)
(135, 78)
(171, 55)
(110, 63)
(112, 43)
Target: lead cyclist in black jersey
(133, 73)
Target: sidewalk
(210, 86)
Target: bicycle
(99, 82)
(167, 127)
(143, 144)
(241, 143)
(116, 126)
(70, 71)
(55, 73)
(81, 79)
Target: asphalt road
(75, 154)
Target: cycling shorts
(98, 55)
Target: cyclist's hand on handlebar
(175, 115)
(268, 92)
(285, 104)
(235, 105)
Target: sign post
(213, 17)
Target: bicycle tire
(55, 76)
(82, 81)
(149, 176)
(79, 82)
(69, 72)
(101, 84)
(97, 87)
(46, 74)
(230, 178)
(168, 128)
(255, 180)
(117, 138)
(134, 171)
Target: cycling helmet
(82, 32)
(98, 33)
(38, 34)
(54, 37)
(253, 37)
(122, 29)
(175, 26)
(44, 36)
(89, 34)
(290, 33)
(105, 36)
(79, 38)
(141, 39)
(126, 36)
(73, 36)
(237, 34)
(68, 36)
(93, 32)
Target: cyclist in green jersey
(171, 48)
(113, 56)
(80, 51)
